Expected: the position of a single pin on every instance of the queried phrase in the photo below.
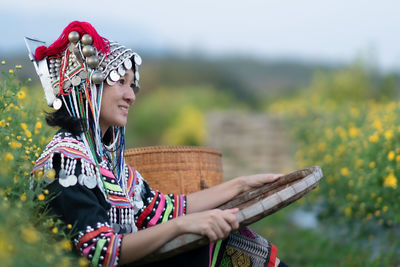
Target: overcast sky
(336, 31)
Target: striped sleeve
(157, 207)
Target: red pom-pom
(59, 46)
(40, 52)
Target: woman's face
(116, 102)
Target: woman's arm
(215, 224)
(217, 195)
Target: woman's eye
(121, 81)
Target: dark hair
(61, 118)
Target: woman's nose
(129, 95)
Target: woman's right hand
(215, 224)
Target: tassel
(100, 43)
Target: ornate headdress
(72, 71)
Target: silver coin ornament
(114, 76)
(137, 59)
(72, 180)
(73, 37)
(83, 74)
(88, 50)
(81, 178)
(137, 75)
(121, 70)
(66, 84)
(87, 39)
(62, 174)
(116, 227)
(90, 182)
(63, 182)
(57, 104)
(127, 64)
(76, 80)
(109, 82)
(92, 61)
(97, 77)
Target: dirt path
(250, 143)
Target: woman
(92, 82)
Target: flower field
(27, 237)
(346, 123)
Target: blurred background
(275, 85)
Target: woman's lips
(124, 109)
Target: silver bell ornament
(88, 51)
(92, 61)
(87, 39)
(73, 37)
(97, 77)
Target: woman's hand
(215, 224)
(257, 180)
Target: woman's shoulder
(64, 145)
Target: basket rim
(170, 149)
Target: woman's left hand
(257, 180)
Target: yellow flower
(353, 132)
(66, 245)
(23, 197)
(18, 67)
(38, 125)
(2, 123)
(69, 226)
(11, 71)
(377, 124)
(372, 164)
(344, 171)
(373, 195)
(54, 230)
(8, 156)
(374, 138)
(390, 181)
(28, 133)
(30, 235)
(377, 213)
(385, 208)
(15, 144)
(389, 134)
(347, 211)
(24, 126)
(391, 155)
(41, 197)
(51, 174)
(83, 262)
(21, 95)
(46, 191)
(3, 62)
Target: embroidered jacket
(101, 208)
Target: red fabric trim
(147, 211)
(272, 258)
(92, 235)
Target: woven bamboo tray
(254, 205)
(177, 169)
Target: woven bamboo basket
(177, 169)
